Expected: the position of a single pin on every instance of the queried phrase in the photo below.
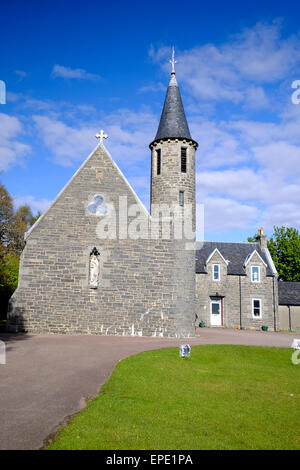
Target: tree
(13, 225)
(6, 216)
(252, 239)
(284, 247)
(22, 221)
(9, 270)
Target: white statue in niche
(94, 269)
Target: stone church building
(96, 262)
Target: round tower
(173, 184)
(173, 154)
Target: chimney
(261, 239)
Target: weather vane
(173, 61)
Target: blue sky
(74, 67)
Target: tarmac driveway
(47, 378)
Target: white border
(248, 259)
(212, 254)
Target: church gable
(92, 192)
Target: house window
(158, 161)
(181, 198)
(256, 308)
(216, 272)
(255, 273)
(183, 159)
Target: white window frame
(260, 309)
(255, 266)
(219, 272)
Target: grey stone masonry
(238, 293)
(146, 286)
(166, 185)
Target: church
(97, 262)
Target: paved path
(47, 378)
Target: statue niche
(94, 268)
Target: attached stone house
(236, 285)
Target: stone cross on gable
(101, 136)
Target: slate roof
(289, 293)
(173, 123)
(235, 253)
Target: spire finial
(173, 61)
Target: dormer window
(255, 273)
(216, 272)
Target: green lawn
(222, 397)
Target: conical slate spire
(173, 123)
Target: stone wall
(237, 293)
(289, 317)
(166, 186)
(146, 287)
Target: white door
(216, 312)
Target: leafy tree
(6, 216)
(21, 222)
(284, 247)
(252, 239)
(9, 270)
(13, 225)
(35, 218)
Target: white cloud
(12, 150)
(68, 144)
(67, 72)
(285, 213)
(154, 87)
(235, 71)
(280, 156)
(222, 214)
(128, 131)
(217, 146)
(35, 204)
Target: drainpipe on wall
(274, 302)
(290, 319)
(240, 301)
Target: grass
(222, 397)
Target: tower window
(181, 198)
(158, 161)
(183, 159)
